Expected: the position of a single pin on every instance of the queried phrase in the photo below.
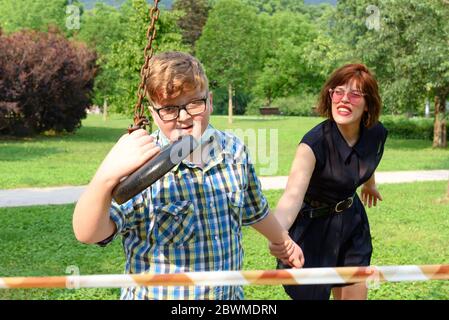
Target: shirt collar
(342, 146)
(162, 140)
(361, 146)
(210, 138)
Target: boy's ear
(153, 113)
(211, 100)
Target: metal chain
(140, 121)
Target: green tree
(285, 71)
(432, 54)
(331, 47)
(102, 28)
(272, 6)
(127, 55)
(377, 34)
(34, 14)
(229, 46)
(194, 18)
(404, 41)
(411, 55)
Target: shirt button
(211, 205)
(216, 238)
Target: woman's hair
(173, 73)
(365, 82)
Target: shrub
(296, 105)
(45, 83)
(409, 128)
(253, 106)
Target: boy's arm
(255, 214)
(271, 229)
(91, 222)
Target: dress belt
(321, 209)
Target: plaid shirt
(191, 219)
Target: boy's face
(185, 123)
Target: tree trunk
(105, 110)
(439, 128)
(230, 103)
(427, 108)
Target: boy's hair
(174, 73)
(365, 82)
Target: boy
(190, 219)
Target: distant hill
(333, 2)
(89, 4)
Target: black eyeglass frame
(181, 107)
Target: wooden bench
(269, 111)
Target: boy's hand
(127, 155)
(288, 252)
(370, 194)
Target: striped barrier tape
(220, 278)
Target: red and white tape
(219, 278)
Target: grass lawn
(409, 227)
(73, 158)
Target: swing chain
(140, 121)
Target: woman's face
(348, 104)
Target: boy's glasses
(338, 94)
(193, 108)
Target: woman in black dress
(320, 206)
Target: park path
(70, 194)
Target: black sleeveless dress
(338, 239)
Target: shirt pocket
(234, 176)
(235, 205)
(175, 223)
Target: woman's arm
(298, 181)
(369, 192)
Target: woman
(320, 206)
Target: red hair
(365, 82)
(173, 74)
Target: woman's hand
(370, 195)
(288, 252)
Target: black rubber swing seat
(169, 156)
